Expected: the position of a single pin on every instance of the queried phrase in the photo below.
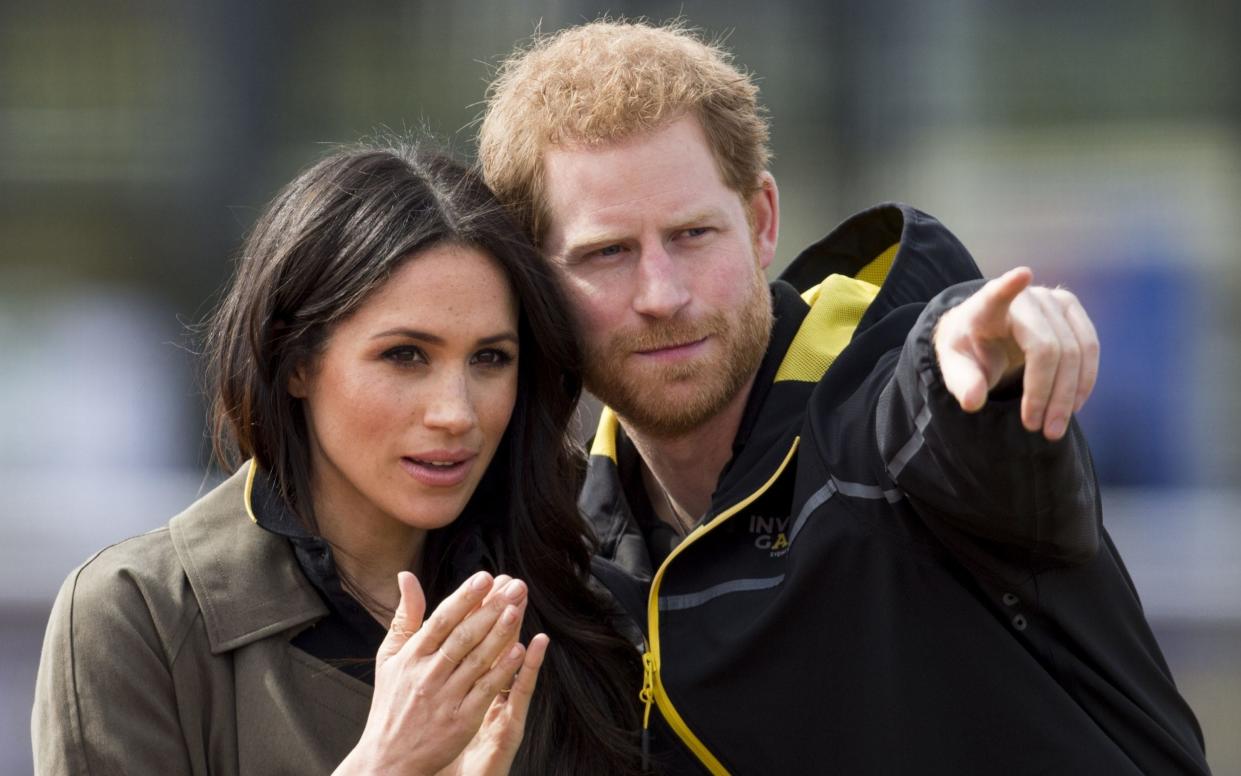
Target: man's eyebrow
(435, 339)
(589, 243)
(698, 217)
(600, 239)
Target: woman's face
(407, 402)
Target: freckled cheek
(370, 407)
(494, 407)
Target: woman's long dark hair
(328, 240)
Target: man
(851, 514)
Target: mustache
(667, 334)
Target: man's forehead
(676, 201)
(671, 172)
(680, 141)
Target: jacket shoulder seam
(75, 714)
(75, 748)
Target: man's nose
(662, 290)
(450, 407)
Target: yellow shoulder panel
(605, 435)
(836, 306)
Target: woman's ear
(299, 382)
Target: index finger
(996, 295)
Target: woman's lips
(439, 471)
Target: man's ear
(765, 217)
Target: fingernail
(514, 652)
(514, 590)
(1056, 427)
(509, 615)
(480, 581)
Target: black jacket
(884, 584)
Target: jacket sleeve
(982, 477)
(104, 700)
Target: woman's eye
(405, 354)
(493, 357)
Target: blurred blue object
(1138, 420)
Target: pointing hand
(1010, 329)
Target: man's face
(665, 273)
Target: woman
(392, 377)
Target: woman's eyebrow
(507, 336)
(435, 339)
(424, 336)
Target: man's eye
(696, 231)
(493, 357)
(611, 250)
(405, 354)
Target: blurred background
(1100, 143)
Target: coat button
(1019, 622)
(1010, 600)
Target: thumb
(407, 620)
(964, 379)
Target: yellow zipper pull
(648, 687)
(647, 697)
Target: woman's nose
(450, 406)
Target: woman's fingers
(523, 685)
(496, 586)
(450, 614)
(503, 697)
(484, 689)
(433, 689)
(473, 645)
(498, 640)
(408, 617)
(514, 678)
(411, 607)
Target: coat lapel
(294, 712)
(246, 579)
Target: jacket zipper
(648, 697)
(652, 688)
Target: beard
(671, 400)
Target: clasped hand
(1010, 329)
(451, 693)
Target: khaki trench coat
(169, 653)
